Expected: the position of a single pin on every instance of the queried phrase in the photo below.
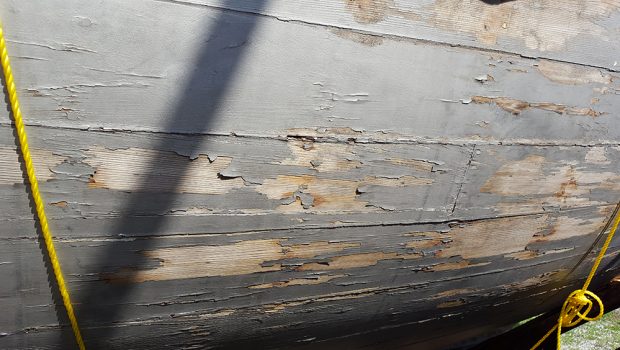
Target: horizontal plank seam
(358, 139)
(389, 36)
(318, 227)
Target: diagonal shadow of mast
(195, 111)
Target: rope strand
(34, 188)
(571, 313)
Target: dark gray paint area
(354, 174)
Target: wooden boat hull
(344, 174)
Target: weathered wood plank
(477, 233)
(245, 173)
(227, 309)
(262, 184)
(567, 30)
(236, 184)
(125, 65)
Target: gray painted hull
(324, 174)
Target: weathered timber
(89, 69)
(361, 174)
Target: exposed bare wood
(314, 174)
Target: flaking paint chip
(484, 78)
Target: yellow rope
(571, 313)
(34, 187)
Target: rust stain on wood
(533, 181)
(228, 260)
(517, 106)
(125, 169)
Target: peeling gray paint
(378, 186)
(101, 98)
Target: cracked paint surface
(424, 166)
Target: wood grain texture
(87, 69)
(368, 174)
(567, 30)
(475, 217)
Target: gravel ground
(603, 334)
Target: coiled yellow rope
(34, 187)
(571, 313)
